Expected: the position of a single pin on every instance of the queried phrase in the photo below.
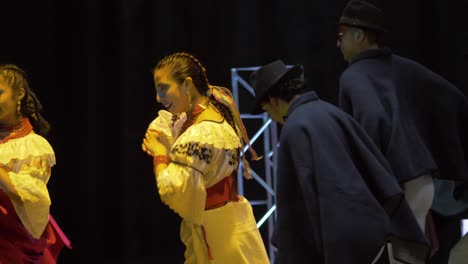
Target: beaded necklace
(20, 130)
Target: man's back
(371, 92)
(330, 171)
(440, 113)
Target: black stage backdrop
(90, 62)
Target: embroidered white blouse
(28, 161)
(200, 157)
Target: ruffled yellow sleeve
(201, 157)
(29, 161)
(182, 188)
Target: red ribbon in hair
(224, 96)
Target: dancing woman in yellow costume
(28, 234)
(196, 145)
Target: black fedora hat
(362, 14)
(267, 76)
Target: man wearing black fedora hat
(414, 116)
(337, 200)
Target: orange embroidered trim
(22, 130)
(160, 159)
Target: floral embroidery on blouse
(194, 149)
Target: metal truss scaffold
(266, 179)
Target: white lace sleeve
(200, 158)
(29, 171)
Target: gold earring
(18, 108)
(189, 98)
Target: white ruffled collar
(220, 135)
(31, 145)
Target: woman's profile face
(171, 94)
(8, 104)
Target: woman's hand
(6, 185)
(152, 143)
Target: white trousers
(419, 194)
(459, 253)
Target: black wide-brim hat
(362, 14)
(267, 76)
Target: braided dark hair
(225, 112)
(185, 65)
(16, 78)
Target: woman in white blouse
(26, 158)
(196, 147)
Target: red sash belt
(221, 193)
